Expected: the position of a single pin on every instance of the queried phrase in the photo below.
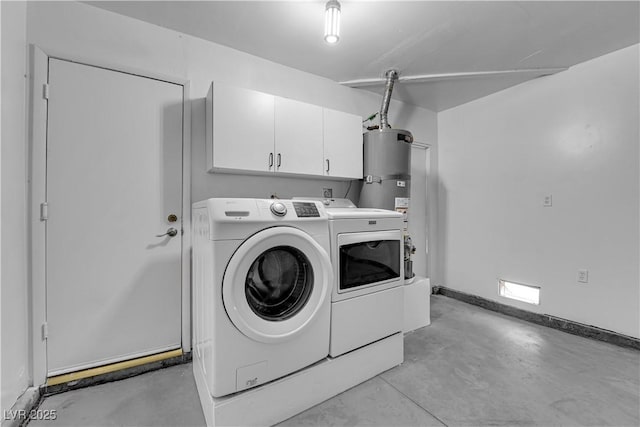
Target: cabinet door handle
(279, 159)
(270, 160)
(328, 165)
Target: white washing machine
(367, 255)
(262, 281)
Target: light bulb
(332, 22)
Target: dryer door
(275, 284)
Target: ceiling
(413, 37)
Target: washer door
(275, 284)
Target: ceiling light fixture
(332, 22)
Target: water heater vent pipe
(392, 76)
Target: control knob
(278, 209)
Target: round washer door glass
(279, 283)
(276, 284)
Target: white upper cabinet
(342, 144)
(298, 137)
(239, 129)
(256, 133)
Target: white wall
(82, 32)
(14, 348)
(575, 136)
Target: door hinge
(45, 331)
(44, 211)
(45, 91)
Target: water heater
(387, 169)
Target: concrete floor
(470, 367)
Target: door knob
(172, 232)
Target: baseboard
(48, 390)
(549, 321)
(19, 413)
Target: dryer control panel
(306, 209)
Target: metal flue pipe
(526, 73)
(392, 76)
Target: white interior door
(114, 178)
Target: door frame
(37, 180)
(417, 145)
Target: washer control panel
(278, 209)
(306, 209)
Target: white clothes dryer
(262, 283)
(367, 253)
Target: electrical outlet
(547, 201)
(327, 193)
(583, 276)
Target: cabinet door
(239, 129)
(298, 137)
(342, 144)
